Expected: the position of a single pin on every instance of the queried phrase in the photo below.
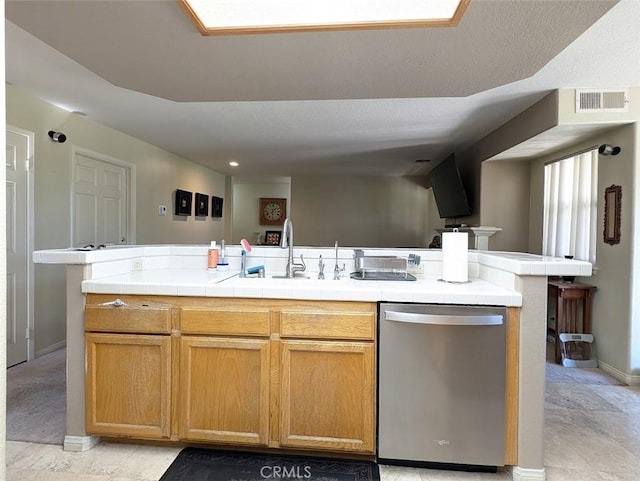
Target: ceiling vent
(602, 100)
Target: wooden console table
(573, 309)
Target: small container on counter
(213, 257)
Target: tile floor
(592, 433)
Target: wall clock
(272, 211)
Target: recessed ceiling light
(233, 163)
(215, 17)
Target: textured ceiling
(354, 102)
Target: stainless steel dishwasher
(441, 385)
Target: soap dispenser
(213, 256)
(223, 263)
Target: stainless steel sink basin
(382, 276)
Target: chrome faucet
(287, 241)
(243, 264)
(336, 269)
(321, 268)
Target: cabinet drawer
(139, 318)
(244, 322)
(327, 325)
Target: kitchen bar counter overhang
(180, 270)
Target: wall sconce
(607, 149)
(57, 136)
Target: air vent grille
(602, 101)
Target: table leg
(559, 326)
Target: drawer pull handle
(116, 303)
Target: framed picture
(183, 202)
(216, 206)
(272, 211)
(612, 214)
(272, 237)
(202, 205)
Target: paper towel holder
(455, 230)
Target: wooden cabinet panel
(139, 318)
(128, 385)
(224, 390)
(327, 395)
(328, 325)
(225, 322)
(239, 377)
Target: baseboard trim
(628, 379)
(528, 474)
(80, 443)
(51, 348)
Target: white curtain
(570, 207)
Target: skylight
(218, 17)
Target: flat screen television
(448, 189)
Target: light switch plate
(162, 210)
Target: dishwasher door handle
(444, 319)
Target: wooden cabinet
(224, 390)
(128, 378)
(327, 377)
(128, 385)
(327, 395)
(224, 373)
(253, 372)
(279, 374)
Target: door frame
(30, 171)
(130, 189)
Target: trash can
(578, 350)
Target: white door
(100, 205)
(17, 247)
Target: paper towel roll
(455, 250)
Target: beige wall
(538, 118)
(505, 204)
(246, 201)
(159, 174)
(612, 302)
(3, 287)
(616, 310)
(360, 211)
(503, 197)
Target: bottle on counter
(213, 257)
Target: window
(216, 17)
(570, 207)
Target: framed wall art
(612, 214)
(272, 237)
(202, 205)
(183, 202)
(216, 206)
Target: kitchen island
(515, 280)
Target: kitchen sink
(382, 276)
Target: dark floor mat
(196, 464)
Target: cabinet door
(327, 395)
(128, 385)
(224, 390)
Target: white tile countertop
(196, 282)
(180, 270)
